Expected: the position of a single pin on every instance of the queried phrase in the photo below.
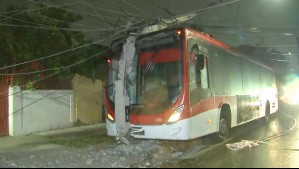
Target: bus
(188, 85)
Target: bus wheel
(267, 112)
(222, 134)
(223, 129)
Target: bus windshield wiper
(151, 65)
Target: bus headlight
(110, 117)
(176, 114)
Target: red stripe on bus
(200, 107)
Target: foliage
(27, 35)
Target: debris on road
(243, 144)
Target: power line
(35, 9)
(32, 103)
(94, 8)
(95, 5)
(58, 28)
(23, 11)
(65, 51)
(33, 72)
(211, 7)
(84, 60)
(42, 26)
(73, 91)
(50, 6)
(121, 13)
(46, 27)
(53, 55)
(82, 12)
(125, 14)
(62, 21)
(130, 4)
(57, 72)
(42, 98)
(30, 10)
(283, 31)
(192, 14)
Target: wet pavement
(280, 147)
(60, 148)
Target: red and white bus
(188, 85)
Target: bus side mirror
(200, 61)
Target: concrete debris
(124, 140)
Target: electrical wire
(32, 103)
(33, 72)
(66, 66)
(133, 6)
(42, 26)
(122, 12)
(49, 6)
(30, 10)
(210, 7)
(49, 56)
(73, 91)
(35, 9)
(43, 98)
(65, 51)
(48, 27)
(104, 9)
(62, 21)
(94, 9)
(59, 71)
(58, 28)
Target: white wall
(40, 110)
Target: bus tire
(224, 126)
(267, 112)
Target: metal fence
(36, 82)
(3, 109)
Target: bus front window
(160, 76)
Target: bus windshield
(160, 76)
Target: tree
(27, 36)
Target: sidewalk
(44, 137)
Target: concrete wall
(40, 110)
(87, 100)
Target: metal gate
(3, 108)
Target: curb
(96, 128)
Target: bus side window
(200, 62)
(199, 66)
(198, 69)
(204, 73)
(201, 70)
(192, 72)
